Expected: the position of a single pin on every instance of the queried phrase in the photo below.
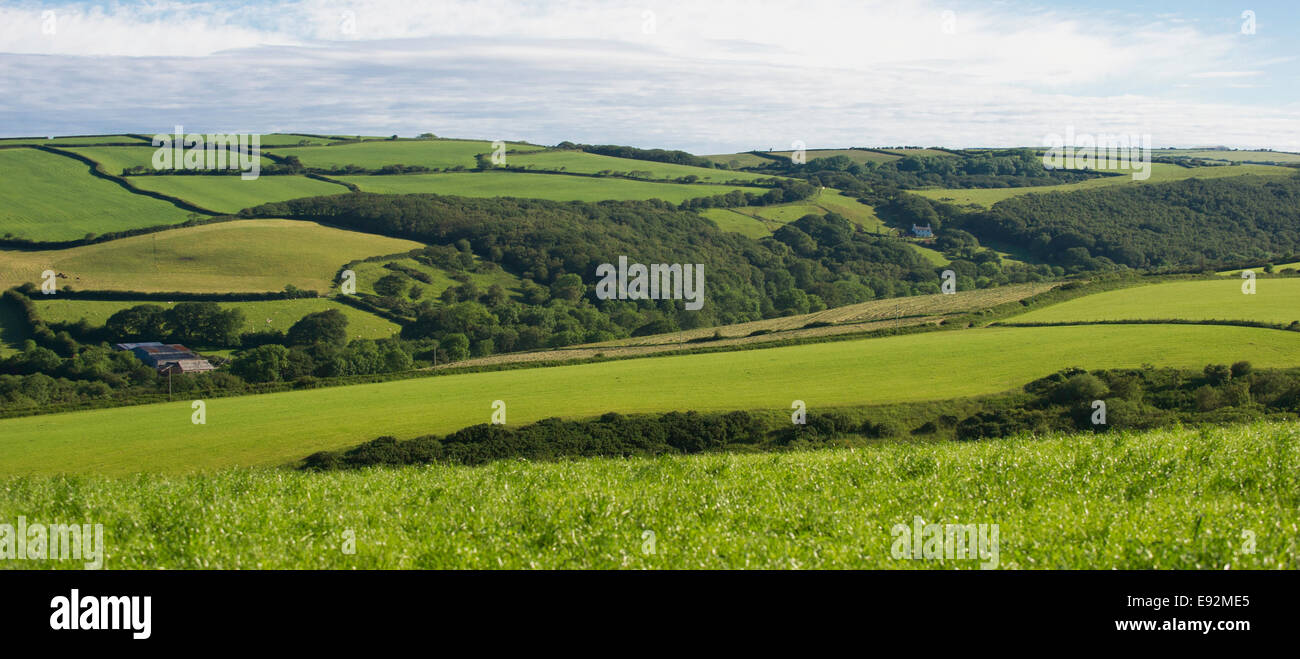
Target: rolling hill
(48, 197)
(555, 187)
(277, 428)
(238, 256)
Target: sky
(706, 76)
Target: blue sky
(708, 76)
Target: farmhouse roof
(187, 366)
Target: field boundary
(1294, 326)
(97, 169)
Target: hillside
(47, 197)
(274, 429)
(239, 256)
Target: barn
(168, 357)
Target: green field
(1232, 156)
(1160, 173)
(370, 272)
(12, 332)
(437, 154)
(590, 163)
(1259, 270)
(1115, 502)
(258, 316)
(114, 159)
(93, 139)
(922, 152)
(51, 197)
(556, 187)
(277, 428)
(737, 221)
(231, 194)
(758, 221)
(288, 140)
(856, 155)
(737, 160)
(239, 256)
(934, 256)
(857, 212)
(1274, 301)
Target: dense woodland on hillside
(1183, 224)
(810, 264)
(1001, 169)
(633, 153)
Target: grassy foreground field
(278, 428)
(1157, 500)
(556, 187)
(1160, 173)
(1274, 301)
(49, 197)
(240, 256)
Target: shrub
(1217, 374)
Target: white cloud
(1227, 74)
(707, 76)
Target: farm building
(922, 231)
(171, 357)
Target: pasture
(858, 156)
(591, 163)
(12, 332)
(258, 316)
(556, 187)
(737, 160)
(114, 159)
(277, 428)
(923, 153)
(435, 154)
(238, 256)
(231, 194)
(770, 218)
(1160, 173)
(1281, 157)
(62, 141)
(48, 197)
(1274, 301)
(737, 221)
(1259, 270)
(370, 272)
(292, 140)
(1118, 501)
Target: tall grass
(1181, 498)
